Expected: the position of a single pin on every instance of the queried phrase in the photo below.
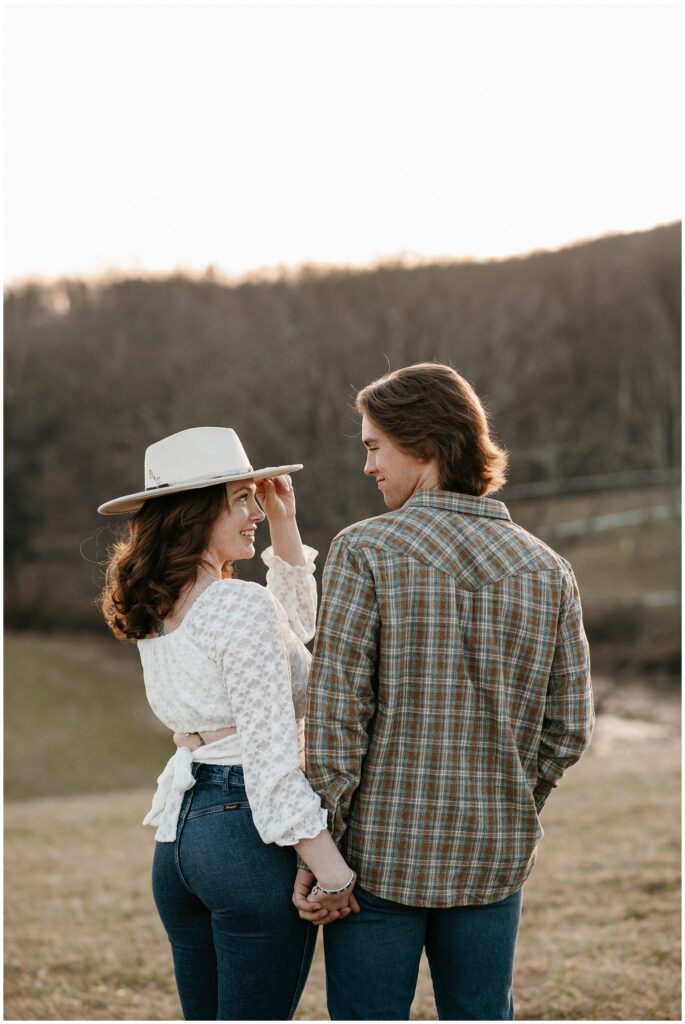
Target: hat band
(200, 479)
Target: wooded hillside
(576, 354)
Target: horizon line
(284, 271)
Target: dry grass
(82, 698)
(600, 929)
(599, 936)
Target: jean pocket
(213, 798)
(228, 804)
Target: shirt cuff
(275, 561)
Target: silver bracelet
(316, 888)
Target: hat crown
(194, 454)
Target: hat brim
(133, 502)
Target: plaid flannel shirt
(449, 691)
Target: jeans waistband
(219, 774)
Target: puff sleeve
(294, 587)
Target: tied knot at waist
(182, 778)
(172, 785)
(175, 781)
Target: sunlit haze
(146, 138)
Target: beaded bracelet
(316, 888)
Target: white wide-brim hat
(188, 460)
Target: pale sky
(149, 137)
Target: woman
(225, 669)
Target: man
(450, 689)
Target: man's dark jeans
(372, 959)
(240, 950)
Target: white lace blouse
(238, 659)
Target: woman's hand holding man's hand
(321, 908)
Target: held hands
(277, 498)
(321, 908)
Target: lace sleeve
(254, 656)
(295, 588)
(300, 663)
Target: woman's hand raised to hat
(278, 500)
(277, 497)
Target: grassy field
(600, 928)
(601, 921)
(81, 697)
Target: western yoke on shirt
(449, 691)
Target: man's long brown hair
(430, 410)
(156, 557)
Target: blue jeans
(224, 896)
(372, 959)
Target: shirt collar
(464, 503)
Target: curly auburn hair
(430, 410)
(156, 557)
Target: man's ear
(424, 453)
